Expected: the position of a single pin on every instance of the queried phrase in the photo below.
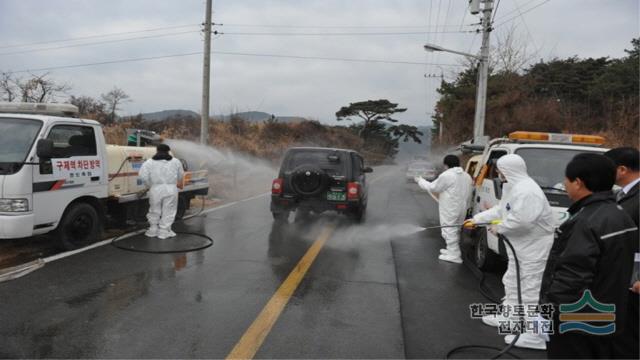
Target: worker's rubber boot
(165, 234)
(450, 258)
(528, 341)
(151, 232)
(494, 320)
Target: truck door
(489, 190)
(75, 170)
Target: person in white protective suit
(526, 219)
(453, 187)
(163, 175)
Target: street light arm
(431, 47)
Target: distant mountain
(259, 116)
(250, 116)
(165, 114)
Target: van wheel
(484, 258)
(80, 226)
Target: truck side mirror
(367, 170)
(44, 149)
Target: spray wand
(494, 222)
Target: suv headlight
(14, 205)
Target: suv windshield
(16, 139)
(546, 166)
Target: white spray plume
(232, 175)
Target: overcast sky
(312, 88)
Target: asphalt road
(321, 289)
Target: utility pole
(483, 74)
(440, 124)
(206, 72)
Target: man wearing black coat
(593, 250)
(627, 160)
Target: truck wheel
(80, 226)
(484, 258)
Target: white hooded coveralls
(454, 189)
(161, 176)
(527, 221)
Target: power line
(227, 33)
(525, 25)
(98, 42)
(495, 11)
(520, 14)
(348, 33)
(228, 53)
(97, 36)
(331, 26)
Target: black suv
(320, 179)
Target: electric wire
(99, 42)
(522, 13)
(299, 57)
(349, 33)
(97, 36)
(331, 26)
(525, 25)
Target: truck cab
(546, 156)
(58, 174)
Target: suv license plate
(336, 196)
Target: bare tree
(511, 53)
(8, 90)
(40, 89)
(36, 88)
(113, 99)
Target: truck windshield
(16, 139)
(546, 166)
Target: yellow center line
(253, 338)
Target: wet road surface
(373, 290)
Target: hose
(208, 244)
(137, 223)
(505, 350)
(128, 158)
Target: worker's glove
(417, 179)
(469, 224)
(543, 326)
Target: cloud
(313, 88)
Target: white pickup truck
(546, 156)
(58, 174)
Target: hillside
(249, 116)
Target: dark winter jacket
(630, 203)
(593, 250)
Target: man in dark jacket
(593, 250)
(627, 160)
